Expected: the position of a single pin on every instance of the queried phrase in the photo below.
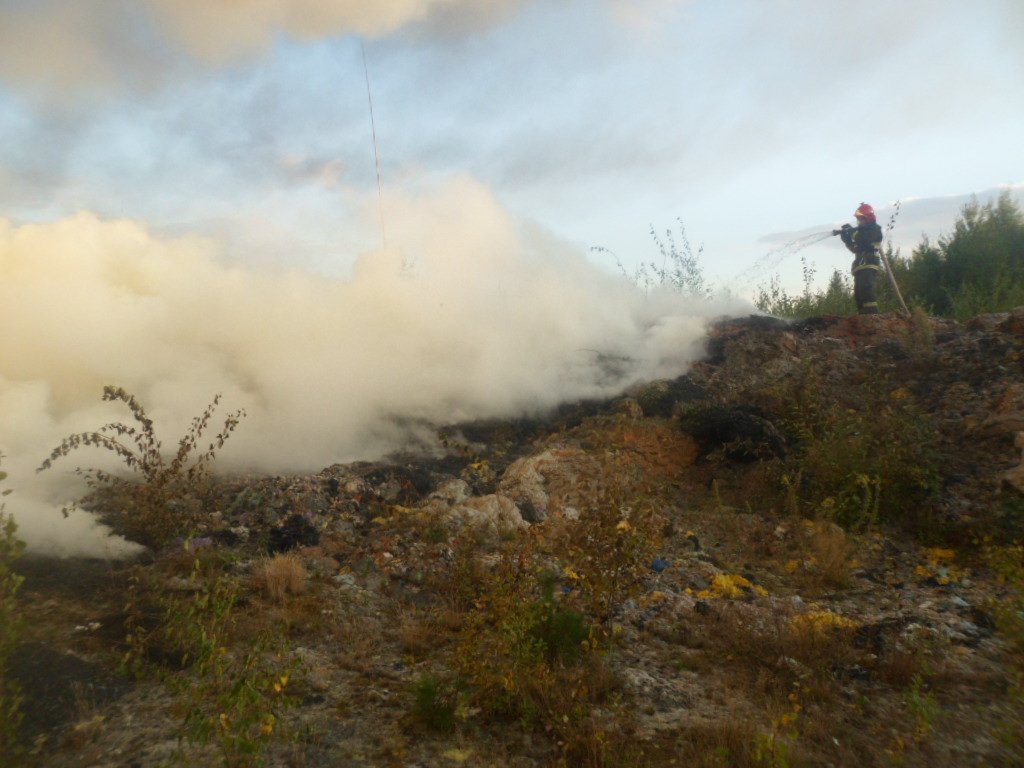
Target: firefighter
(865, 242)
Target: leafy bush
(835, 299)
(560, 633)
(164, 504)
(971, 300)
(873, 457)
(975, 269)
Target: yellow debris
(939, 555)
(731, 586)
(821, 622)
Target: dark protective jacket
(865, 242)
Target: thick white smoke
(473, 316)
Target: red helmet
(865, 211)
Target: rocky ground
(655, 580)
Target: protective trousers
(865, 278)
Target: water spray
(776, 256)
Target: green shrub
(971, 300)
(973, 270)
(435, 703)
(532, 646)
(561, 632)
(166, 503)
(873, 456)
(835, 299)
(231, 694)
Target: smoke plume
(481, 317)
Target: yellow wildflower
(267, 727)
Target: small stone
(345, 579)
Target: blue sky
(595, 120)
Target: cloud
(644, 16)
(52, 45)
(64, 47)
(483, 317)
(315, 170)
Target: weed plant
(680, 269)
(835, 299)
(435, 703)
(11, 628)
(1008, 562)
(532, 645)
(870, 457)
(233, 697)
(167, 501)
(605, 553)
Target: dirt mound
(768, 561)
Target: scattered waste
(297, 531)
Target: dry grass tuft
(281, 576)
(725, 742)
(778, 647)
(417, 634)
(831, 547)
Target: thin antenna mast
(376, 152)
